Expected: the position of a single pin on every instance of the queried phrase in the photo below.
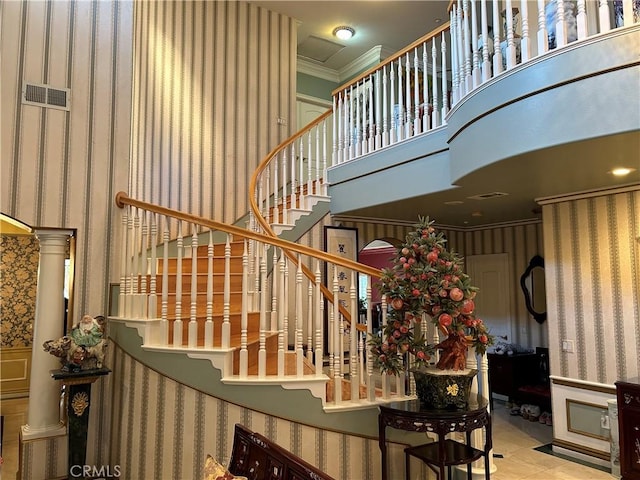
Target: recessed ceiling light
(454, 202)
(344, 32)
(622, 171)
(476, 214)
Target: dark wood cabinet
(628, 396)
(507, 373)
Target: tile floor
(513, 437)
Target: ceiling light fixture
(344, 32)
(622, 171)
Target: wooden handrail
(393, 57)
(123, 199)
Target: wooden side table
(412, 416)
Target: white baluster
(337, 333)
(130, 261)
(395, 115)
(435, 112)
(581, 19)
(282, 316)
(511, 45)
(455, 64)
(371, 385)
(543, 41)
(605, 19)
(285, 212)
(226, 295)
(353, 337)
(627, 12)
(497, 52)
(318, 320)
(407, 96)
(310, 311)
(349, 134)
(426, 117)
(300, 202)
(299, 320)
(336, 147)
(417, 120)
(164, 322)
(244, 316)
(461, 49)
(266, 175)
(208, 326)
(274, 291)
(144, 248)
(177, 323)
(473, 42)
(561, 25)
(372, 125)
(193, 323)
(379, 106)
(318, 170)
(466, 34)
(324, 158)
(152, 305)
(525, 41)
(277, 197)
(385, 109)
(486, 64)
(401, 103)
(386, 379)
(124, 255)
(262, 351)
(445, 92)
(355, 127)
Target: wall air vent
(46, 96)
(485, 196)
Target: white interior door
(490, 273)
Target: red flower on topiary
(427, 279)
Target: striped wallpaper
(210, 81)
(163, 430)
(62, 168)
(592, 245)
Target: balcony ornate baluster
(497, 52)
(525, 42)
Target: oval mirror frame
(536, 262)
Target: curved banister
(123, 199)
(361, 268)
(392, 58)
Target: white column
(44, 392)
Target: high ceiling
(393, 25)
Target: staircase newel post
(193, 324)
(208, 326)
(262, 352)
(353, 347)
(244, 353)
(319, 321)
(177, 324)
(299, 320)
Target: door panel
(490, 273)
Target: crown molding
(318, 71)
(440, 226)
(373, 56)
(588, 194)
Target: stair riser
(253, 328)
(235, 282)
(202, 265)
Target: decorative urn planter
(443, 389)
